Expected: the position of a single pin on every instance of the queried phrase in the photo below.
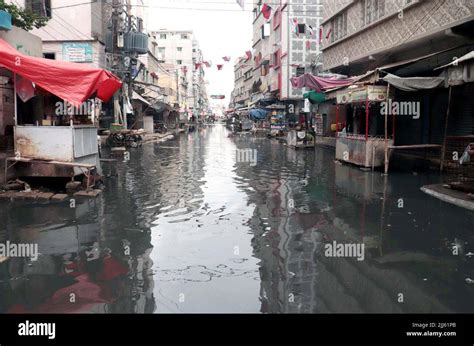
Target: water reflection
(184, 227)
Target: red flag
(197, 65)
(320, 35)
(207, 64)
(249, 54)
(219, 67)
(226, 58)
(266, 11)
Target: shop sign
(77, 52)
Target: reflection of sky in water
(186, 228)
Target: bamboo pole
(443, 151)
(15, 101)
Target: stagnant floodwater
(186, 228)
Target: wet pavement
(184, 227)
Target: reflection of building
(349, 208)
(102, 273)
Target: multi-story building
(240, 95)
(360, 35)
(285, 46)
(181, 49)
(75, 31)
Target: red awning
(319, 83)
(72, 82)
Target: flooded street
(184, 227)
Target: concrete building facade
(360, 35)
(181, 49)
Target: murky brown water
(186, 228)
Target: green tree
(23, 18)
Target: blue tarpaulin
(5, 20)
(258, 113)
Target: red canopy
(319, 83)
(72, 82)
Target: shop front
(55, 114)
(363, 140)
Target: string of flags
(208, 64)
(266, 11)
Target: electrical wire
(193, 8)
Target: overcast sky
(221, 27)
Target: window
(179, 62)
(39, 7)
(276, 59)
(265, 30)
(184, 36)
(265, 69)
(161, 49)
(339, 27)
(373, 10)
(180, 49)
(299, 71)
(51, 56)
(301, 28)
(162, 36)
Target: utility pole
(115, 65)
(122, 58)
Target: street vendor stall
(55, 128)
(362, 141)
(278, 121)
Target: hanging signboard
(77, 52)
(375, 93)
